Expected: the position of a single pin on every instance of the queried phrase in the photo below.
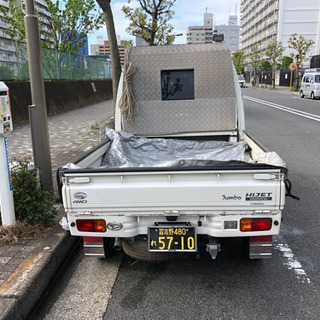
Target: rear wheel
(108, 247)
(312, 95)
(301, 94)
(138, 250)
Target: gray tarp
(127, 150)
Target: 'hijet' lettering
(259, 194)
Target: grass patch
(22, 231)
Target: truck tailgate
(158, 192)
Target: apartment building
(265, 20)
(94, 48)
(8, 55)
(104, 50)
(201, 34)
(231, 32)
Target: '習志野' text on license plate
(176, 239)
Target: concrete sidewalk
(27, 268)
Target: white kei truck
(178, 173)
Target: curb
(23, 289)
(278, 90)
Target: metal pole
(7, 207)
(39, 121)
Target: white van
(310, 85)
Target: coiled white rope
(127, 99)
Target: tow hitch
(213, 247)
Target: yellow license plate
(175, 239)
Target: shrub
(32, 204)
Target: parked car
(242, 82)
(310, 85)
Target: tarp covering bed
(127, 150)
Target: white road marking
(284, 108)
(290, 261)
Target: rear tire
(138, 250)
(301, 94)
(312, 96)
(108, 247)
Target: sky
(187, 13)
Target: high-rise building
(8, 55)
(266, 20)
(231, 32)
(201, 34)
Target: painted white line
(284, 108)
(290, 261)
(305, 99)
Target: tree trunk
(115, 57)
(273, 78)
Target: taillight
(255, 224)
(91, 225)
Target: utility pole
(38, 109)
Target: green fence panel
(56, 65)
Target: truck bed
(192, 188)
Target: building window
(233, 39)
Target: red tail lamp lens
(255, 224)
(91, 225)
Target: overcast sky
(187, 13)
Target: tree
(151, 21)
(301, 45)
(128, 44)
(274, 54)
(266, 65)
(255, 61)
(71, 21)
(65, 31)
(239, 60)
(13, 16)
(67, 28)
(285, 62)
(114, 51)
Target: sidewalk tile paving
(71, 135)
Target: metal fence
(56, 65)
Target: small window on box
(177, 84)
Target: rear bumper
(223, 225)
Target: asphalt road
(230, 287)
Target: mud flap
(260, 247)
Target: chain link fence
(56, 65)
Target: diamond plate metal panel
(214, 106)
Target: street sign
(293, 66)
